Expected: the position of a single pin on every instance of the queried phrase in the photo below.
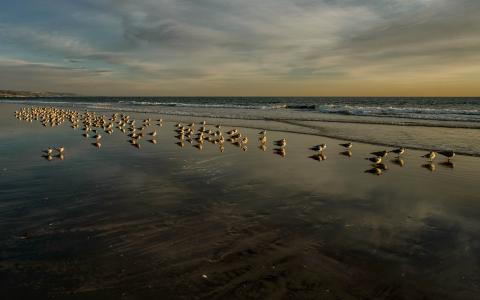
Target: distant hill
(27, 94)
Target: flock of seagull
(94, 124)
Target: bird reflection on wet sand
(374, 171)
(47, 157)
(447, 164)
(380, 166)
(280, 151)
(319, 156)
(347, 153)
(398, 161)
(430, 166)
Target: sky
(242, 47)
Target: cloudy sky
(242, 47)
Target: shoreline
(310, 129)
(326, 117)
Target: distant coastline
(29, 94)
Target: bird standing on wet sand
(448, 154)
(430, 155)
(319, 148)
(381, 154)
(347, 145)
(282, 143)
(398, 151)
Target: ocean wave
(205, 105)
(469, 112)
(392, 110)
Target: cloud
(223, 44)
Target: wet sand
(172, 222)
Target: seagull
(49, 151)
(61, 150)
(153, 133)
(381, 154)
(282, 143)
(430, 155)
(347, 145)
(398, 151)
(448, 154)
(319, 148)
(375, 160)
(263, 132)
(263, 139)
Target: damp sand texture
(177, 221)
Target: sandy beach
(125, 222)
